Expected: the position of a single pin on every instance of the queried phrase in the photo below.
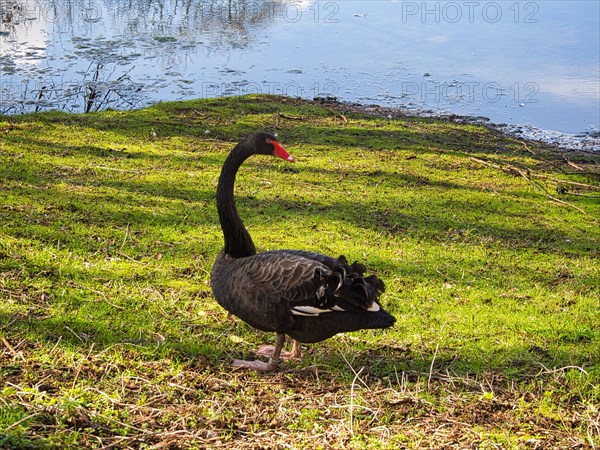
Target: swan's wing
(314, 284)
(286, 275)
(355, 269)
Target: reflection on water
(91, 55)
(522, 63)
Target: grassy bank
(489, 247)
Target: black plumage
(307, 296)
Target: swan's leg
(275, 357)
(268, 351)
(255, 365)
(296, 350)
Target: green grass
(112, 338)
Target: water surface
(533, 65)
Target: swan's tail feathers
(342, 261)
(358, 268)
(354, 268)
(376, 282)
(327, 284)
(344, 289)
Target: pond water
(534, 66)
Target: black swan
(307, 296)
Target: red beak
(281, 152)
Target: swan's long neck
(238, 242)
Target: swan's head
(267, 144)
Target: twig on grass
(560, 369)
(558, 181)
(572, 164)
(566, 192)
(437, 347)
(354, 371)
(592, 426)
(133, 259)
(114, 169)
(74, 334)
(124, 238)
(81, 364)
(103, 296)
(513, 169)
(55, 345)
(287, 116)
(356, 377)
(18, 422)
(554, 163)
(12, 350)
